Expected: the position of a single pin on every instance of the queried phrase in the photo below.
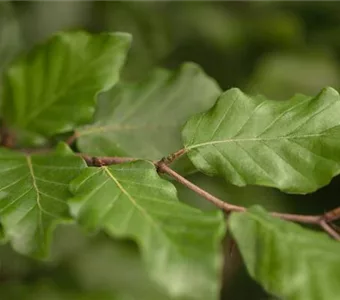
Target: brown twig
(324, 221)
(335, 227)
(329, 229)
(227, 207)
(312, 219)
(332, 215)
(72, 138)
(104, 160)
(172, 157)
(320, 220)
(162, 167)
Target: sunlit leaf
(179, 244)
(288, 261)
(143, 120)
(54, 87)
(292, 145)
(33, 194)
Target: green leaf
(179, 244)
(143, 120)
(33, 194)
(292, 145)
(53, 88)
(289, 261)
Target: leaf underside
(33, 194)
(143, 120)
(179, 244)
(291, 262)
(292, 145)
(53, 88)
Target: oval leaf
(287, 260)
(53, 88)
(179, 244)
(33, 194)
(143, 120)
(292, 145)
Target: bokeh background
(273, 48)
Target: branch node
(97, 162)
(162, 167)
(332, 215)
(172, 157)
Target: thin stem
(72, 138)
(230, 207)
(314, 219)
(326, 227)
(104, 160)
(335, 227)
(162, 167)
(332, 215)
(172, 157)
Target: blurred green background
(273, 48)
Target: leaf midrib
(257, 139)
(34, 183)
(38, 192)
(140, 208)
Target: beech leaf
(292, 145)
(53, 88)
(180, 245)
(289, 261)
(33, 194)
(143, 120)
